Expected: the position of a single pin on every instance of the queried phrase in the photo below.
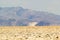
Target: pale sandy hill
(30, 33)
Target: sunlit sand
(30, 33)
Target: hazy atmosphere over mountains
(18, 16)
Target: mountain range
(18, 16)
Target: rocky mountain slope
(18, 16)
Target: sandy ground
(30, 33)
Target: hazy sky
(52, 6)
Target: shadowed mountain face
(18, 16)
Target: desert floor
(30, 33)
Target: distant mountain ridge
(18, 16)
